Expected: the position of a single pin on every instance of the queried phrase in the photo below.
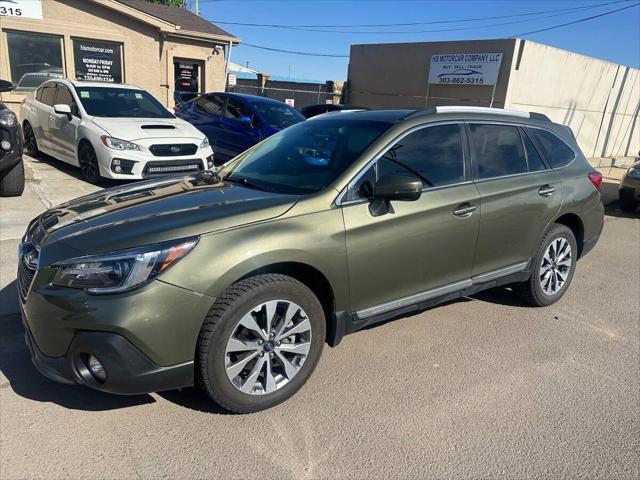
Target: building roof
(181, 17)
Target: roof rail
(485, 110)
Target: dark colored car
(313, 110)
(235, 281)
(234, 122)
(629, 191)
(11, 165)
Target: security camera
(218, 50)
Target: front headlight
(123, 270)
(8, 118)
(205, 143)
(117, 144)
(634, 172)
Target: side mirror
(398, 187)
(62, 109)
(246, 120)
(6, 86)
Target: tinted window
(121, 103)
(363, 188)
(433, 153)
(48, 96)
(34, 58)
(306, 157)
(65, 97)
(39, 94)
(533, 157)
(557, 153)
(277, 114)
(237, 109)
(498, 150)
(211, 104)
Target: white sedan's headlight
(634, 172)
(205, 143)
(123, 270)
(8, 118)
(117, 144)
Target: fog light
(96, 368)
(210, 161)
(6, 145)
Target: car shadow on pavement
(72, 170)
(23, 378)
(194, 398)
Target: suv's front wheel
(553, 267)
(260, 343)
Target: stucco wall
(395, 75)
(599, 100)
(147, 57)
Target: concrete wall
(395, 75)
(599, 100)
(147, 56)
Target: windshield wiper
(243, 181)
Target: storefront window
(34, 58)
(97, 61)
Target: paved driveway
(482, 387)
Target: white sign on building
(21, 8)
(233, 80)
(465, 68)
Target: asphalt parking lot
(481, 387)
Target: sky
(614, 37)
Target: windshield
(120, 102)
(306, 157)
(277, 115)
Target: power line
(332, 55)
(295, 27)
(531, 32)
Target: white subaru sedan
(111, 130)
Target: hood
(152, 211)
(133, 129)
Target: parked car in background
(313, 110)
(234, 122)
(629, 191)
(11, 165)
(112, 131)
(234, 280)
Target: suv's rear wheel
(628, 203)
(12, 181)
(260, 343)
(553, 267)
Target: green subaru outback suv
(234, 280)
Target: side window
(48, 94)
(211, 104)
(65, 97)
(534, 160)
(237, 109)
(498, 150)
(39, 94)
(432, 154)
(557, 153)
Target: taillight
(596, 179)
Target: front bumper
(128, 370)
(146, 165)
(630, 187)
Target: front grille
(25, 277)
(173, 150)
(153, 169)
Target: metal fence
(301, 97)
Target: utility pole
(197, 9)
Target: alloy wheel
(88, 164)
(268, 347)
(29, 139)
(555, 266)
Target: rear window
(498, 150)
(557, 153)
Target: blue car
(234, 122)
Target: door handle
(464, 210)
(546, 190)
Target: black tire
(222, 321)
(628, 203)
(88, 163)
(532, 291)
(30, 142)
(12, 181)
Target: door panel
(63, 131)
(418, 246)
